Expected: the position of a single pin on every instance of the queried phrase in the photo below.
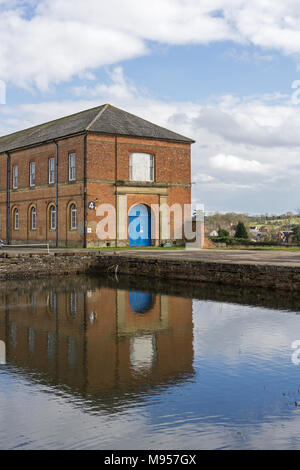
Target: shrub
(223, 233)
(296, 234)
(241, 241)
(241, 231)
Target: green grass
(276, 222)
(182, 248)
(135, 248)
(123, 248)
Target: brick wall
(43, 194)
(107, 161)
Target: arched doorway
(139, 226)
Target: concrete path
(276, 257)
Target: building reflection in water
(2, 353)
(96, 339)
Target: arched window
(73, 217)
(33, 218)
(16, 219)
(52, 217)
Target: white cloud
(44, 42)
(253, 122)
(119, 88)
(41, 51)
(232, 163)
(203, 178)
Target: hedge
(242, 241)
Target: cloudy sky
(224, 72)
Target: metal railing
(46, 245)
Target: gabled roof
(105, 119)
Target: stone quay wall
(32, 266)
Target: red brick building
(55, 177)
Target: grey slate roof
(105, 119)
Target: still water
(92, 363)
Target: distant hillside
(269, 223)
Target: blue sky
(220, 72)
(189, 73)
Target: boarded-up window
(141, 167)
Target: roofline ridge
(48, 122)
(40, 133)
(97, 117)
(150, 122)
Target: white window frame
(33, 218)
(16, 219)
(32, 174)
(15, 177)
(72, 166)
(73, 217)
(133, 156)
(53, 219)
(51, 170)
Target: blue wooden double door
(139, 226)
